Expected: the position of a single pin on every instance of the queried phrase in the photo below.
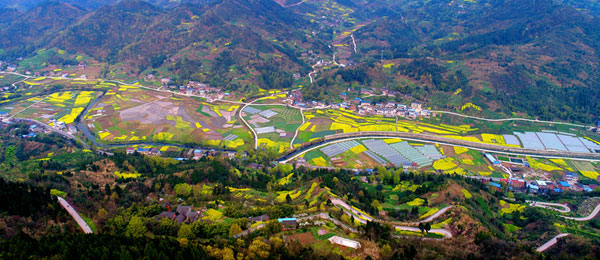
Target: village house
(261, 218)
(288, 223)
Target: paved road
(508, 119)
(588, 217)
(65, 204)
(549, 205)
(248, 124)
(434, 216)
(297, 129)
(60, 132)
(362, 218)
(427, 138)
(444, 232)
(242, 103)
(550, 242)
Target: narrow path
(254, 134)
(550, 242)
(353, 42)
(248, 124)
(310, 75)
(66, 205)
(14, 84)
(508, 119)
(34, 103)
(297, 129)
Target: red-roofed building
(518, 184)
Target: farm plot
(549, 140)
(331, 121)
(412, 154)
(586, 169)
(59, 106)
(468, 162)
(384, 150)
(373, 152)
(339, 148)
(430, 151)
(275, 125)
(132, 114)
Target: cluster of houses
(183, 214)
(48, 71)
(60, 125)
(569, 183)
(186, 154)
(34, 129)
(363, 107)
(193, 88)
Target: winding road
(549, 205)
(363, 218)
(565, 209)
(297, 129)
(586, 218)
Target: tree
(258, 249)
(185, 231)
(375, 204)
(273, 227)
(234, 230)
(136, 227)
(386, 251)
(183, 189)
(288, 199)
(421, 227)
(427, 227)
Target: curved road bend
(65, 204)
(297, 129)
(361, 218)
(549, 205)
(427, 138)
(588, 217)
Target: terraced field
(134, 114)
